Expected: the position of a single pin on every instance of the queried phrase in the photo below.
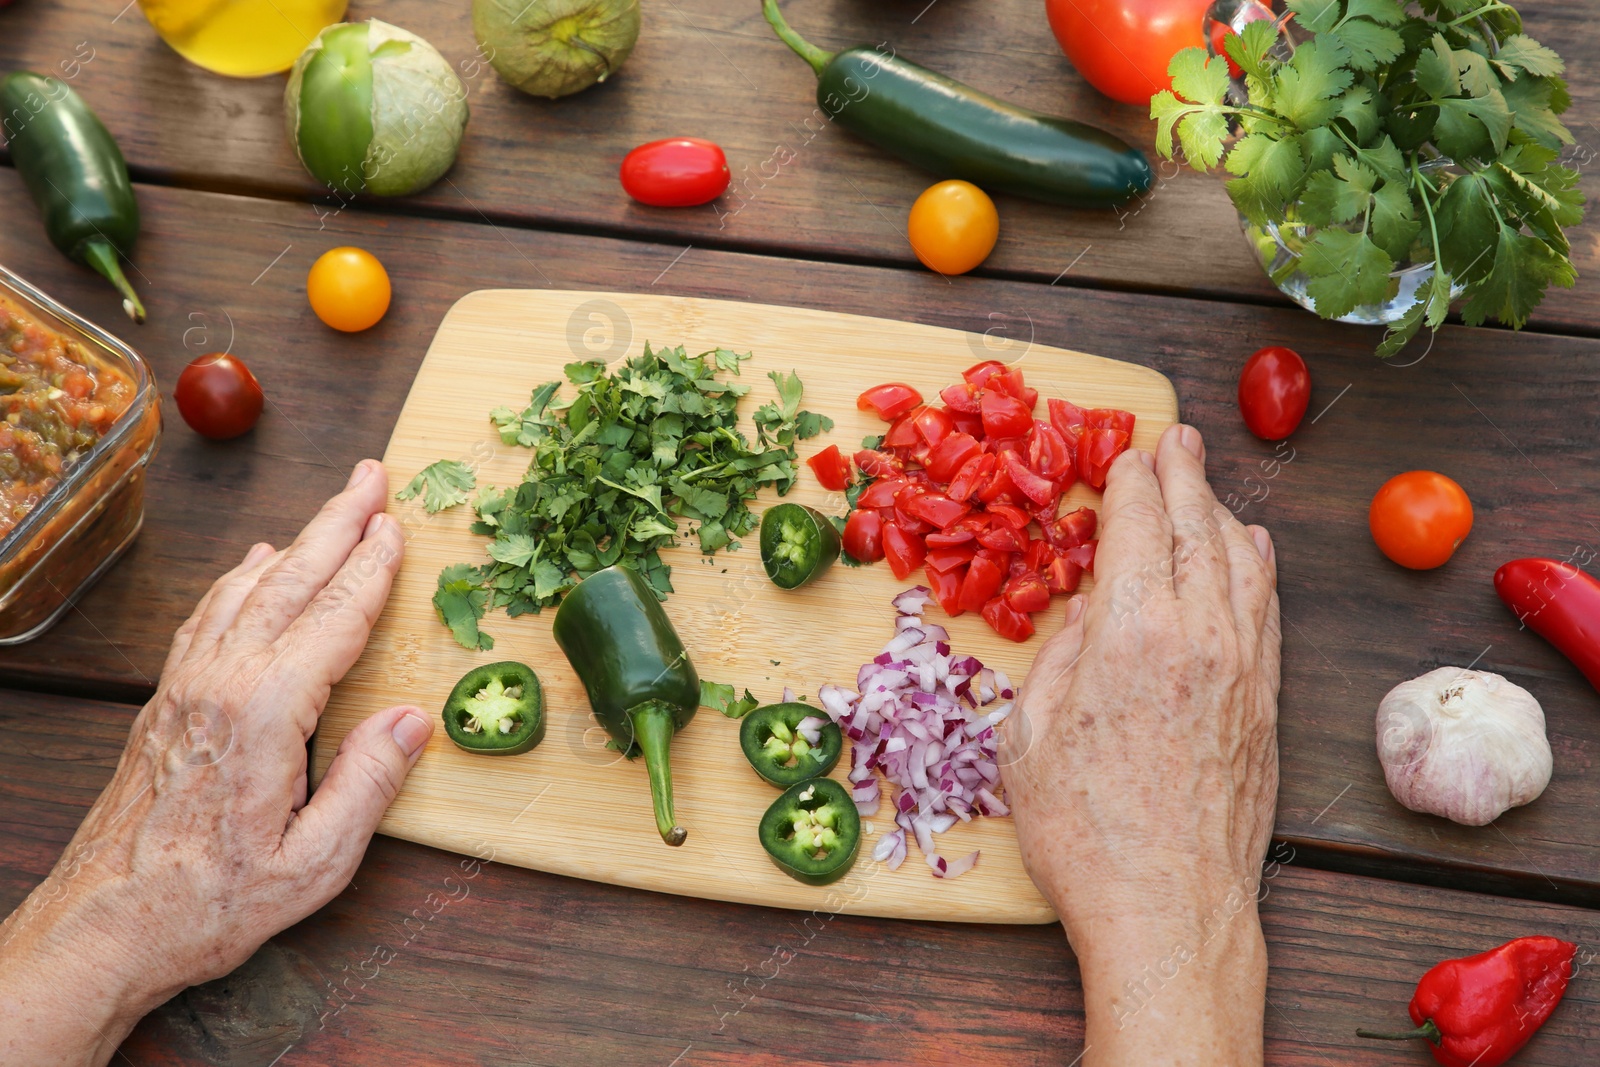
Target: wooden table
(520, 967)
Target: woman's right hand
(1142, 768)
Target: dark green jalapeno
(775, 747)
(812, 831)
(797, 544)
(496, 710)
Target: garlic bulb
(1463, 744)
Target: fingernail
(359, 475)
(411, 732)
(1189, 438)
(1263, 542)
(1147, 459)
(1074, 610)
(257, 553)
(372, 526)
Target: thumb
(329, 835)
(1047, 678)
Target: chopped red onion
(925, 718)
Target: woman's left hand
(204, 844)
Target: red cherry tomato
(1068, 419)
(1419, 517)
(677, 172)
(1072, 529)
(1007, 621)
(863, 535)
(218, 396)
(1048, 453)
(1027, 594)
(831, 468)
(1123, 47)
(981, 582)
(949, 456)
(933, 424)
(875, 464)
(1037, 489)
(890, 400)
(1274, 389)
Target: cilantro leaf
(441, 485)
(1520, 53)
(1468, 228)
(1523, 267)
(1346, 270)
(1473, 126)
(1383, 12)
(1369, 44)
(460, 604)
(1436, 69)
(1532, 102)
(1318, 16)
(1270, 170)
(719, 697)
(1401, 331)
(1199, 77)
(1307, 85)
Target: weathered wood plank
(712, 68)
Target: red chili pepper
(1478, 1011)
(1558, 602)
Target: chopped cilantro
(719, 697)
(614, 469)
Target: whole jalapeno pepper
(75, 173)
(496, 710)
(797, 544)
(633, 665)
(774, 739)
(812, 831)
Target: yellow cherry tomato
(348, 289)
(953, 227)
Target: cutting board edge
(1017, 914)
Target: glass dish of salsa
(79, 421)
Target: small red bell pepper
(1478, 1011)
(1560, 603)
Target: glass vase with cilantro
(1389, 158)
(613, 470)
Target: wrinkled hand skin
(1142, 767)
(204, 845)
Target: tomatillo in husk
(372, 108)
(556, 47)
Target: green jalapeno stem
(653, 727)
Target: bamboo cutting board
(572, 806)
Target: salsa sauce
(56, 402)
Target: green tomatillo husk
(372, 108)
(555, 47)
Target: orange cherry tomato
(953, 227)
(1419, 517)
(348, 289)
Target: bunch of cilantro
(1339, 133)
(613, 471)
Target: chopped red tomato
(952, 538)
(1110, 419)
(982, 582)
(974, 475)
(1010, 381)
(978, 374)
(831, 468)
(1000, 488)
(1061, 575)
(1072, 529)
(1003, 538)
(1068, 418)
(1027, 594)
(971, 425)
(935, 509)
(904, 551)
(1010, 515)
(946, 587)
(875, 464)
(948, 559)
(961, 398)
(1048, 452)
(933, 424)
(863, 535)
(890, 400)
(1004, 416)
(1006, 621)
(1037, 489)
(1082, 555)
(880, 494)
(950, 455)
(1097, 450)
(902, 433)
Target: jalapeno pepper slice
(797, 544)
(812, 831)
(779, 752)
(496, 709)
